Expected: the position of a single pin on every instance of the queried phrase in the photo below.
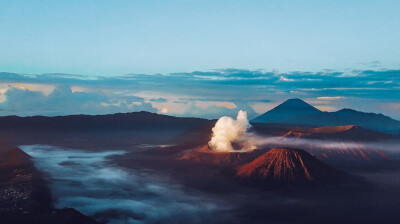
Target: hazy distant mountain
(288, 166)
(96, 131)
(296, 111)
(120, 121)
(286, 111)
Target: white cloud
(62, 101)
(329, 97)
(78, 89)
(282, 78)
(45, 89)
(205, 104)
(262, 107)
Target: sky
(198, 58)
(123, 37)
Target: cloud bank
(210, 94)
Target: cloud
(195, 93)
(206, 104)
(214, 111)
(159, 100)
(43, 88)
(329, 97)
(63, 101)
(77, 89)
(282, 78)
(260, 107)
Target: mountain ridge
(121, 129)
(377, 122)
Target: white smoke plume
(230, 135)
(228, 131)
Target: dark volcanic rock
(288, 166)
(24, 195)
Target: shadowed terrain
(95, 131)
(288, 166)
(320, 174)
(24, 194)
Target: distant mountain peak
(295, 100)
(296, 103)
(286, 110)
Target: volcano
(288, 166)
(284, 112)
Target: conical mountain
(287, 111)
(288, 166)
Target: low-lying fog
(85, 181)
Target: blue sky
(122, 37)
(198, 58)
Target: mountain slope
(288, 166)
(96, 131)
(24, 195)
